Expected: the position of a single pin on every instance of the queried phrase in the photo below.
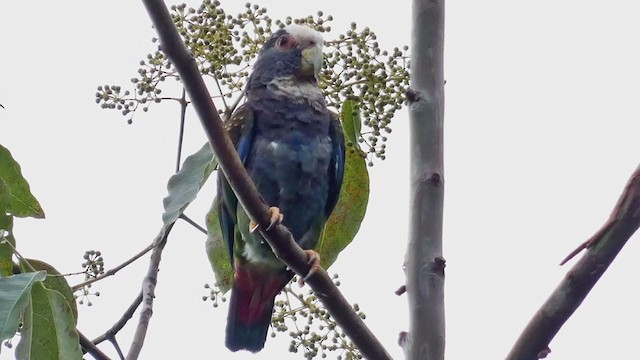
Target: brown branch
(534, 341)
(425, 264)
(279, 238)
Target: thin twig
(121, 322)
(183, 113)
(279, 238)
(69, 274)
(115, 344)
(193, 223)
(235, 104)
(534, 341)
(148, 293)
(113, 271)
(91, 348)
(224, 102)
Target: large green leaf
(15, 196)
(185, 184)
(55, 281)
(344, 223)
(217, 250)
(49, 328)
(14, 297)
(351, 121)
(7, 244)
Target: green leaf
(15, 196)
(351, 121)
(217, 249)
(185, 184)
(55, 281)
(49, 328)
(7, 244)
(6, 221)
(344, 223)
(14, 297)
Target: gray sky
(541, 135)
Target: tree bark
(602, 248)
(425, 264)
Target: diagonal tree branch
(603, 247)
(424, 262)
(128, 314)
(91, 348)
(279, 238)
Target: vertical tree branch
(425, 264)
(534, 341)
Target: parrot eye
(285, 42)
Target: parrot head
(295, 51)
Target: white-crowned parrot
(293, 148)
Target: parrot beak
(311, 61)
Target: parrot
(293, 148)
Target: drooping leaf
(14, 297)
(185, 184)
(217, 250)
(49, 328)
(6, 221)
(344, 223)
(7, 244)
(15, 195)
(351, 121)
(55, 281)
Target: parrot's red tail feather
(252, 297)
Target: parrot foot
(275, 218)
(314, 261)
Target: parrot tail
(252, 296)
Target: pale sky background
(541, 132)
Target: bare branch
(115, 344)
(193, 223)
(425, 264)
(534, 341)
(279, 238)
(128, 314)
(91, 348)
(148, 293)
(183, 114)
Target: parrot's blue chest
(289, 160)
(290, 169)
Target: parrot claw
(314, 261)
(275, 218)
